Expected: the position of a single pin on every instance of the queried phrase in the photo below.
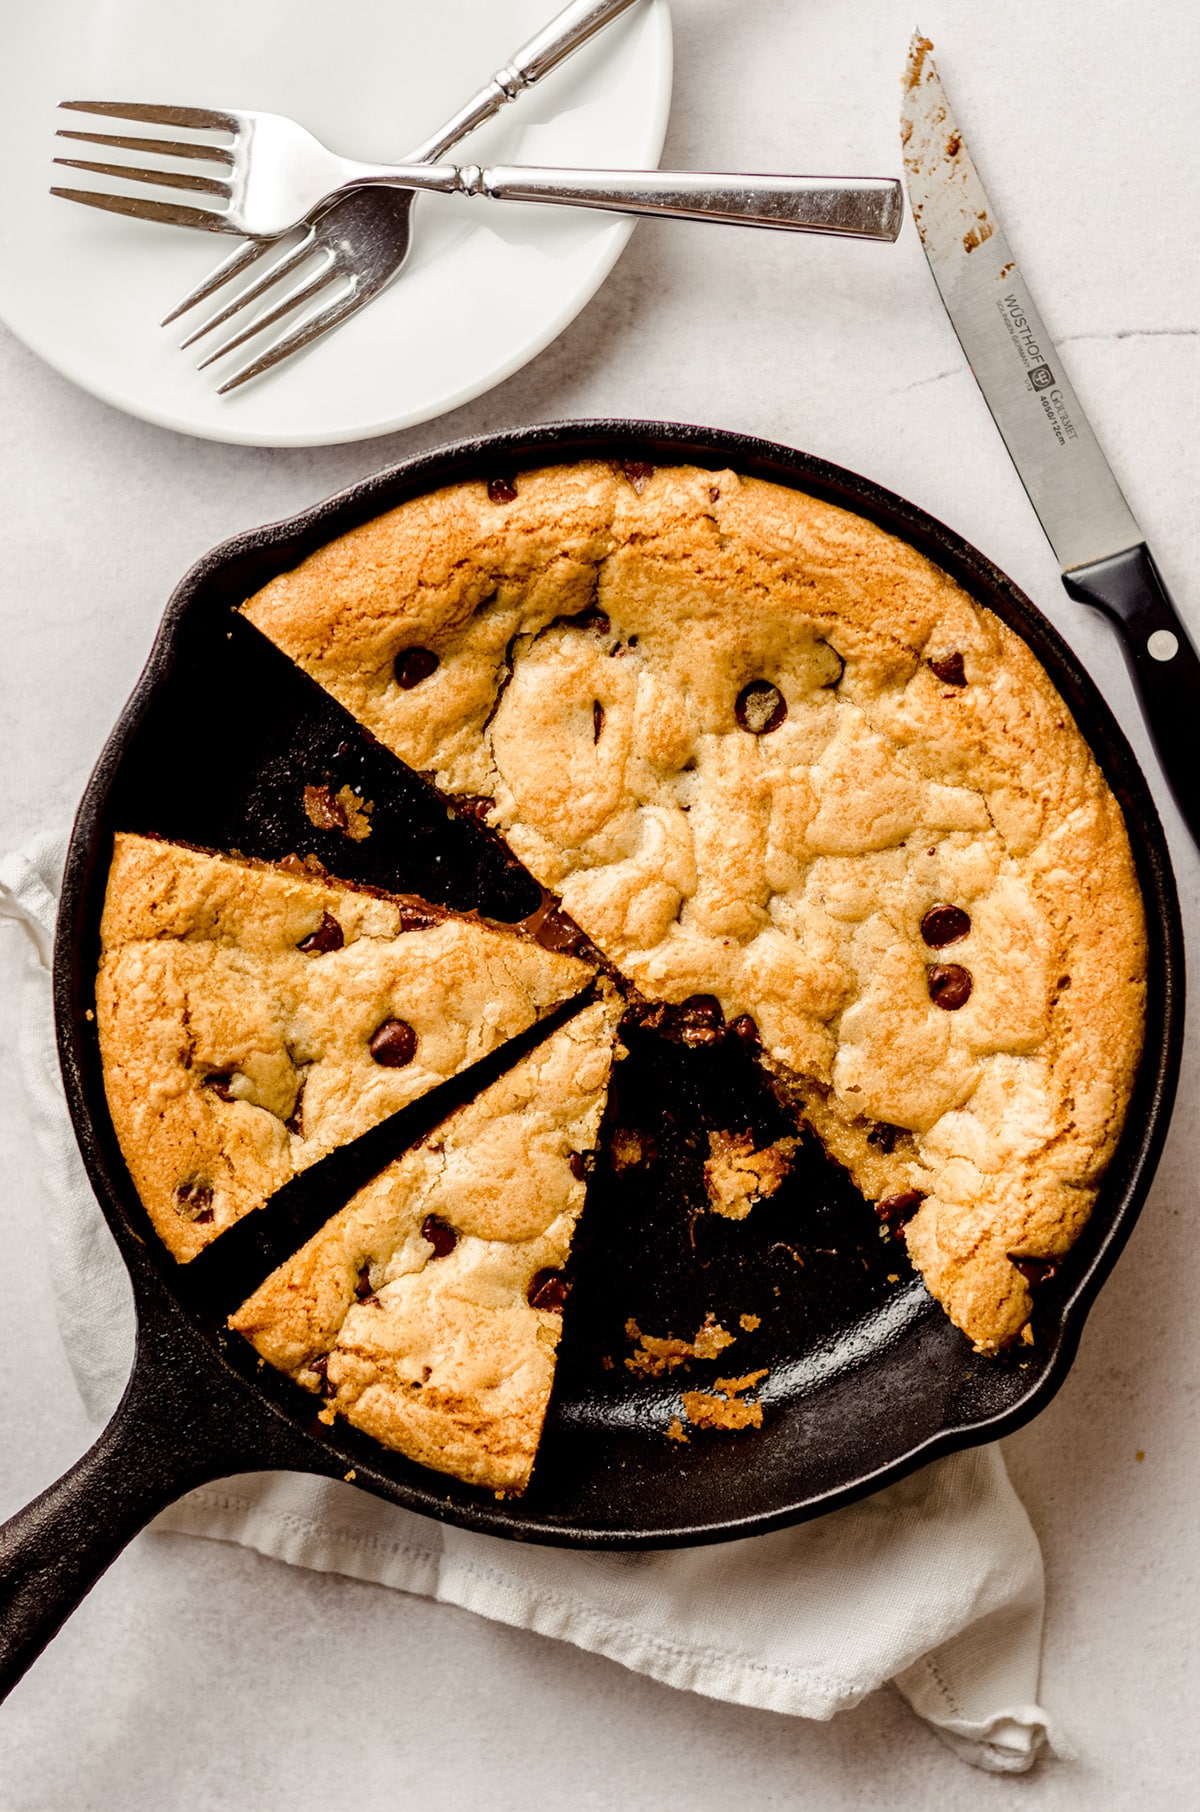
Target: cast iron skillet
(866, 1377)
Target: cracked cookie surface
(428, 1311)
(251, 1020)
(757, 746)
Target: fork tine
(232, 265)
(201, 119)
(302, 292)
(311, 328)
(169, 179)
(170, 213)
(153, 147)
(282, 267)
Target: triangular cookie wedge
(252, 1019)
(428, 1310)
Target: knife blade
(1100, 549)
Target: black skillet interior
(865, 1376)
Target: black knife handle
(1128, 587)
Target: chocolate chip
(949, 668)
(550, 927)
(548, 1291)
(597, 719)
(305, 868)
(592, 618)
(412, 665)
(502, 490)
(944, 925)
(760, 708)
(220, 1084)
(1064, 981)
(417, 914)
(194, 1199)
(699, 1020)
(639, 473)
(582, 1164)
(884, 1137)
(320, 1365)
(440, 1234)
(473, 805)
(949, 985)
(363, 1290)
(1034, 1270)
(295, 1120)
(327, 936)
(744, 1027)
(713, 494)
(895, 1211)
(394, 1044)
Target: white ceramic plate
(487, 284)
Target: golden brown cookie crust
(234, 1058)
(925, 758)
(440, 1354)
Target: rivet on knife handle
(1128, 587)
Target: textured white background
(202, 1676)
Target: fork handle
(850, 207)
(566, 33)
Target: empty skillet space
(275, 754)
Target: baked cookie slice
(428, 1311)
(768, 754)
(251, 1019)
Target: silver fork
(363, 239)
(277, 174)
(365, 236)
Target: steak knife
(1099, 547)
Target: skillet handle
(166, 1436)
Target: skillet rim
(277, 547)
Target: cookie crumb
(737, 1176)
(725, 1406)
(350, 1476)
(675, 1431)
(657, 1355)
(625, 1149)
(748, 1323)
(305, 868)
(345, 811)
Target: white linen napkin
(935, 1583)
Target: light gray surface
(203, 1677)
